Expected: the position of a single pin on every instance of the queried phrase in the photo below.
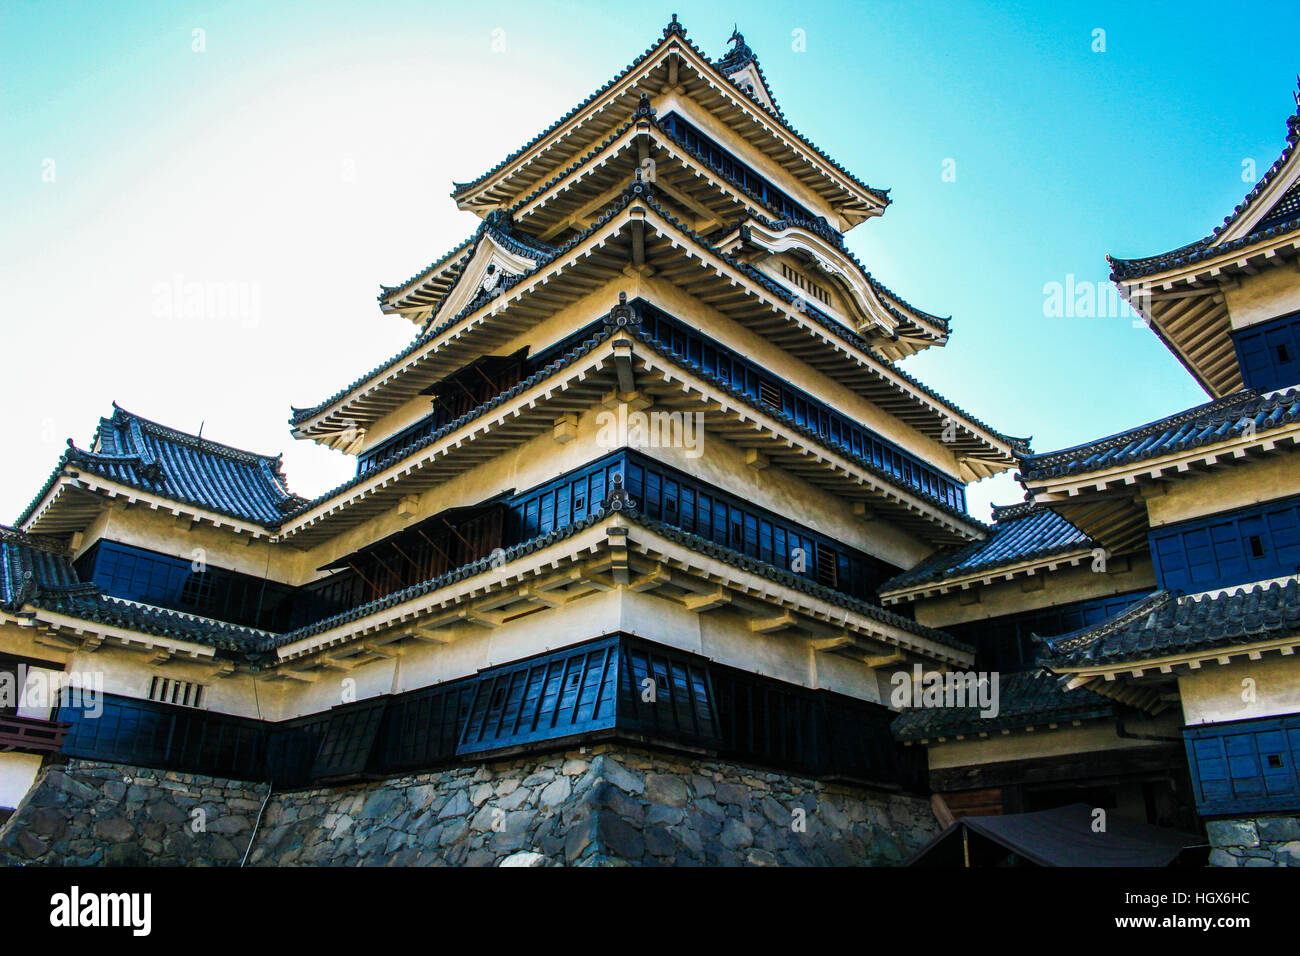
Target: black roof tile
(1166, 624)
(1025, 699)
(1220, 420)
(180, 467)
(673, 28)
(1273, 225)
(1020, 533)
(35, 572)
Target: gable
(491, 269)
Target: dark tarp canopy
(1060, 837)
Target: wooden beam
(708, 602)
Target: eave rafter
(628, 369)
(675, 67)
(1145, 683)
(1108, 505)
(700, 197)
(66, 633)
(988, 576)
(615, 552)
(1186, 307)
(77, 498)
(640, 238)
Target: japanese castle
(655, 552)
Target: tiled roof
(891, 300)
(37, 573)
(28, 561)
(1021, 532)
(811, 435)
(497, 225)
(426, 335)
(458, 255)
(673, 28)
(694, 542)
(644, 192)
(160, 622)
(1221, 420)
(181, 467)
(405, 451)
(1025, 699)
(40, 575)
(1283, 220)
(1166, 624)
(582, 349)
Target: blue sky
(304, 155)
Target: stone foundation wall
(606, 806)
(610, 805)
(92, 814)
(1255, 841)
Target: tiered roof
(1166, 626)
(1092, 484)
(1026, 538)
(1240, 414)
(1180, 292)
(1025, 699)
(673, 63)
(133, 454)
(582, 378)
(637, 229)
(37, 573)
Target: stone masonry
(1255, 841)
(92, 814)
(609, 805)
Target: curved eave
(609, 551)
(584, 381)
(428, 286)
(896, 328)
(1108, 676)
(75, 498)
(74, 633)
(680, 257)
(987, 575)
(697, 193)
(1108, 504)
(666, 65)
(1185, 304)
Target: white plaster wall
(1062, 586)
(1241, 485)
(1216, 693)
(17, 773)
(1267, 295)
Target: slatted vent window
(828, 561)
(167, 690)
(769, 393)
(803, 282)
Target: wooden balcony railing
(31, 735)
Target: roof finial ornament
(643, 107)
(617, 499)
(622, 315)
(674, 27)
(739, 56)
